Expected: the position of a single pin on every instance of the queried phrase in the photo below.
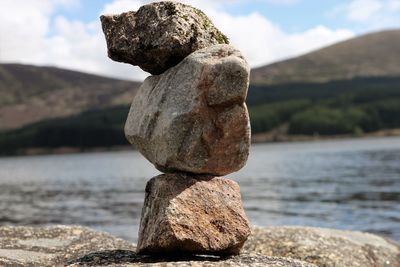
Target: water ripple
(349, 184)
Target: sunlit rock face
(192, 214)
(192, 118)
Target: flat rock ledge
(52, 246)
(324, 247)
(270, 247)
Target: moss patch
(219, 36)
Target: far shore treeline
(345, 107)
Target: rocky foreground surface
(270, 247)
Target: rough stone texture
(129, 258)
(52, 246)
(193, 118)
(325, 247)
(78, 246)
(159, 35)
(201, 215)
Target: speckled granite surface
(270, 247)
(325, 247)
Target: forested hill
(349, 88)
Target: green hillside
(96, 128)
(350, 88)
(337, 107)
(354, 107)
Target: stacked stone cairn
(190, 120)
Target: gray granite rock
(159, 35)
(52, 246)
(193, 118)
(324, 247)
(79, 246)
(192, 214)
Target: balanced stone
(192, 118)
(159, 35)
(192, 214)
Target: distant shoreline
(269, 137)
(274, 137)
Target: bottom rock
(192, 214)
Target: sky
(67, 33)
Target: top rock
(159, 35)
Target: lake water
(347, 184)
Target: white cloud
(20, 37)
(313, 39)
(81, 46)
(122, 5)
(283, 2)
(394, 5)
(363, 10)
(74, 44)
(373, 14)
(263, 42)
(24, 26)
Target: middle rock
(192, 118)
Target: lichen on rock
(159, 35)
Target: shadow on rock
(107, 257)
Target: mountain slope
(30, 93)
(372, 55)
(349, 88)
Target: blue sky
(291, 15)
(294, 16)
(67, 33)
